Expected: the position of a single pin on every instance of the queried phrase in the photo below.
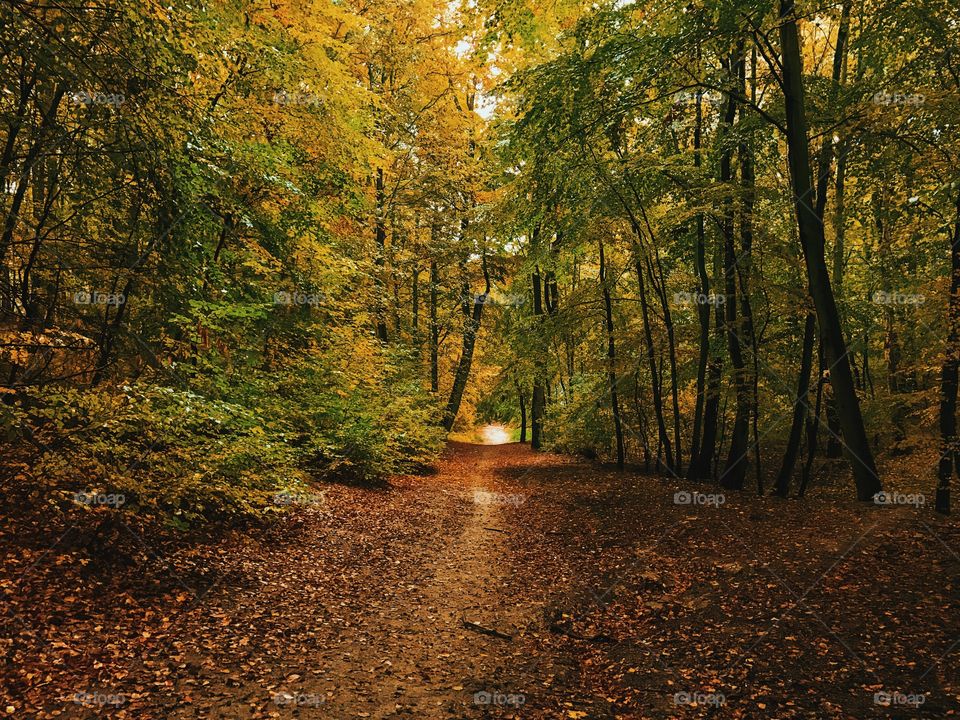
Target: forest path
(432, 645)
(617, 600)
(362, 603)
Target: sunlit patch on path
(494, 435)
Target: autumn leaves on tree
(717, 240)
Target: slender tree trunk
(812, 242)
(641, 420)
(523, 413)
(813, 424)
(801, 409)
(658, 282)
(949, 452)
(380, 235)
(471, 327)
(415, 307)
(735, 468)
(538, 401)
(611, 357)
(652, 363)
(745, 265)
(703, 309)
(702, 469)
(434, 329)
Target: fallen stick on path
(485, 630)
(505, 532)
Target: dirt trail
(435, 663)
(617, 599)
(353, 607)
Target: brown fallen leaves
(619, 603)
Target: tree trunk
(538, 401)
(611, 357)
(434, 329)
(381, 240)
(523, 413)
(652, 363)
(812, 242)
(949, 455)
(745, 265)
(735, 468)
(703, 309)
(813, 425)
(471, 327)
(800, 409)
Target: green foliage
(189, 456)
(581, 426)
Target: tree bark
(800, 409)
(523, 413)
(380, 236)
(735, 468)
(949, 455)
(538, 401)
(703, 309)
(812, 241)
(471, 327)
(611, 357)
(434, 329)
(652, 362)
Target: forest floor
(507, 584)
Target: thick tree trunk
(812, 241)
(801, 411)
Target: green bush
(225, 450)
